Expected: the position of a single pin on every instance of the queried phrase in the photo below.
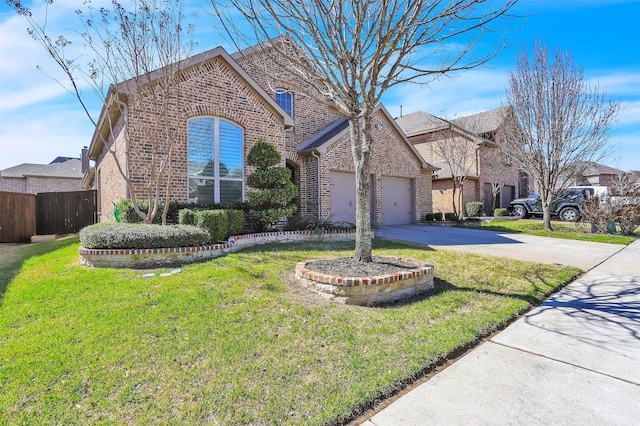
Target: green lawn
(567, 230)
(235, 340)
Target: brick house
(483, 166)
(64, 174)
(227, 103)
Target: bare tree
(497, 171)
(458, 154)
(135, 60)
(348, 53)
(556, 123)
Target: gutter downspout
(317, 155)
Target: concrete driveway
(582, 254)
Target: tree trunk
(361, 149)
(460, 203)
(453, 198)
(546, 216)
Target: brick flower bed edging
(163, 257)
(368, 291)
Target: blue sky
(40, 121)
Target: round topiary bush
(141, 236)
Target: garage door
(343, 196)
(397, 201)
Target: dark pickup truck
(566, 204)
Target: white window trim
(216, 163)
(281, 91)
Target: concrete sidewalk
(574, 360)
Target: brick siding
(36, 184)
(214, 89)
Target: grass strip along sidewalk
(567, 230)
(236, 340)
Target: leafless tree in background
(134, 60)
(556, 123)
(458, 154)
(347, 54)
(496, 171)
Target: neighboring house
(483, 166)
(228, 103)
(599, 174)
(64, 174)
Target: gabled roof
(596, 169)
(339, 129)
(420, 122)
(128, 87)
(21, 170)
(324, 136)
(68, 169)
(482, 122)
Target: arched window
(215, 161)
(285, 100)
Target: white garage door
(343, 197)
(397, 201)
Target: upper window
(285, 100)
(215, 161)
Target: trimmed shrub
(451, 217)
(187, 217)
(140, 236)
(128, 214)
(430, 217)
(437, 216)
(215, 222)
(272, 192)
(235, 220)
(500, 212)
(474, 208)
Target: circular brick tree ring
(369, 290)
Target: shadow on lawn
(11, 265)
(337, 246)
(443, 286)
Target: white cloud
(468, 93)
(42, 133)
(618, 82)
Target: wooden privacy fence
(17, 217)
(50, 213)
(64, 212)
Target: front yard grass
(566, 230)
(236, 340)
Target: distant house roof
(477, 124)
(71, 168)
(420, 122)
(61, 159)
(21, 170)
(596, 169)
(482, 122)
